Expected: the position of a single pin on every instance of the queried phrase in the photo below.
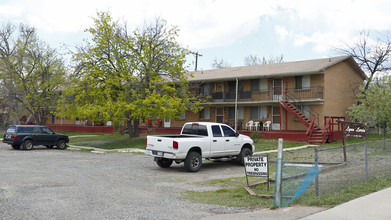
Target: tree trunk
(133, 128)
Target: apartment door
(277, 89)
(276, 118)
(219, 115)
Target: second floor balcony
(269, 95)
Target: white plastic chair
(256, 124)
(250, 125)
(266, 125)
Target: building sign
(353, 129)
(256, 166)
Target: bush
(255, 136)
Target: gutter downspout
(236, 105)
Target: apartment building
(279, 93)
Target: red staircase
(315, 134)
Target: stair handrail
(326, 130)
(327, 126)
(310, 128)
(291, 97)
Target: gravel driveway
(56, 184)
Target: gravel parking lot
(56, 184)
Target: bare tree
(251, 60)
(373, 55)
(220, 63)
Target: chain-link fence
(352, 164)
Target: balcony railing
(275, 94)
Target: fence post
(278, 194)
(316, 179)
(366, 162)
(384, 144)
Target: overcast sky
(224, 29)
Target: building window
(258, 112)
(255, 85)
(263, 85)
(231, 113)
(205, 113)
(302, 82)
(204, 89)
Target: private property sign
(256, 166)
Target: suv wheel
(61, 144)
(28, 145)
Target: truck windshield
(195, 129)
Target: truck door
(232, 144)
(217, 142)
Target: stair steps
(316, 136)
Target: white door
(167, 123)
(217, 144)
(231, 141)
(276, 118)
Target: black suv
(28, 136)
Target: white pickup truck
(199, 140)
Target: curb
(102, 151)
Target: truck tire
(28, 145)
(193, 161)
(243, 153)
(61, 144)
(164, 163)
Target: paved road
(54, 184)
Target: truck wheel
(16, 147)
(164, 162)
(243, 153)
(193, 161)
(61, 144)
(28, 145)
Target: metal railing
(293, 99)
(273, 94)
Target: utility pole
(196, 54)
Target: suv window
(36, 130)
(25, 130)
(46, 130)
(11, 129)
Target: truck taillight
(15, 137)
(146, 142)
(175, 145)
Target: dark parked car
(27, 136)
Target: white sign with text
(256, 166)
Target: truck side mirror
(236, 134)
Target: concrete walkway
(373, 206)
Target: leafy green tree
(125, 77)
(31, 72)
(374, 107)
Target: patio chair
(266, 125)
(256, 124)
(250, 125)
